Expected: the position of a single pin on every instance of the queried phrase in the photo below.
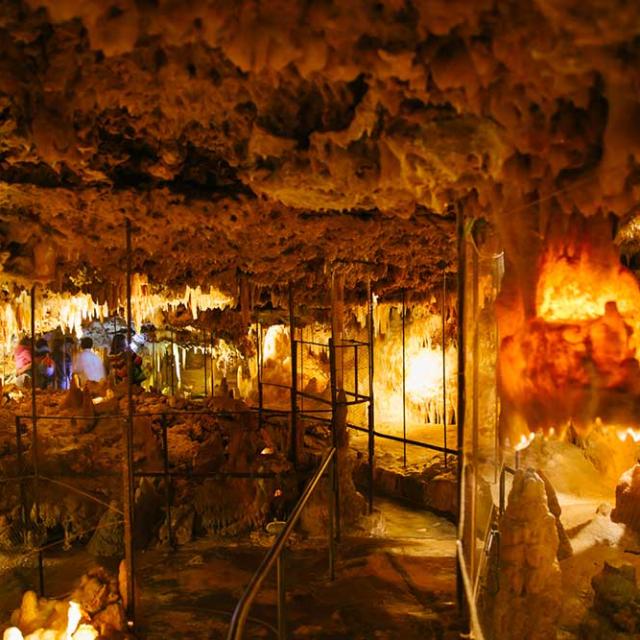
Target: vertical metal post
(404, 390)
(129, 478)
(204, 358)
(34, 422)
(23, 494)
(213, 381)
(167, 477)
(282, 596)
(370, 413)
(332, 517)
(294, 453)
(301, 385)
(334, 436)
(461, 247)
(153, 361)
(355, 367)
(260, 389)
(444, 366)
(472, 485)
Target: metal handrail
(475, 627)
(241, 612)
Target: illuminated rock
(627, 509)
(526, 605)
(571, 358)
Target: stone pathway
(395, 578)
(398, 582)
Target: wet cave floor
(394, 578)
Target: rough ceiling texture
(281, 138)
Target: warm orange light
(629, 433)
(577, 358)
(524, 442)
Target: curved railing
(275, 554)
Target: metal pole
(301, 386)
(129, 479)
(294, 381)
(472, 487)
(334, 435)
(404, 391)
(167, 477)
(355, 367)
(444, 367)
(332, 518)
(204, 358)
(213, 382)
(173, 367)
(260, 390)
(282, 597)
(34, 422)
(23, 494)
(461, 246)
(370, 413)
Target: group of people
(54, 367)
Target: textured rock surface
(280, 137)
(627, 509)
(100, 607)
(527, 604)
(564, 544)
(616, 605)
(80, 490)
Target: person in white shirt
(87, 364)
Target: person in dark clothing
(44, 366)
(62, 348)
(118, 360)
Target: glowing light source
(629, 433)
(74, 615)
(524, 442)
(74, 630)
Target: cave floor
(395, 577)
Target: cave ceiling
(283, 139)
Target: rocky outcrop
(615, 614)
(564, 544)
(627, 509)
(526, 606)
(96, 599)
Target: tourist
(62, 347)
(87, 364)
(22, 358)
(44, 366)
(118, 360)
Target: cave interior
(318, 319)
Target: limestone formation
(615, 614)
(526, 606)
(291, 135)
(96, 599)
(564, 544)
(627, 509)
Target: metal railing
(475, 628)
(276, 553)
(32, 472)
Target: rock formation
(627, 509)
(292, 135)
(616, 605)
(526, 606)
(96, 600)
